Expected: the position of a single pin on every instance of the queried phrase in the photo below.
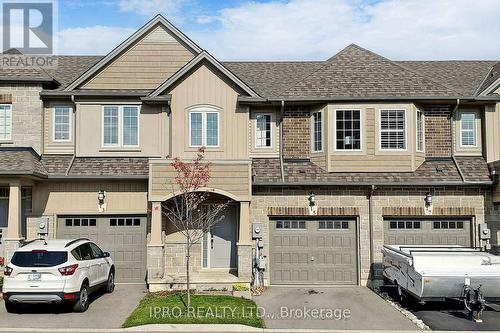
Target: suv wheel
(83, 301)
(110, 285)
(11, 307)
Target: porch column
(245, 244)
(14, 235)
(155, 255)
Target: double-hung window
(5, 122)
(393, 129)
(468, 135)
(120, 126)
(204, 128)
(348, 129)
(420, 131)
(263, 130)
(62, 123)
(317, 131)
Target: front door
(222, 250)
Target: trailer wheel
(401, 296)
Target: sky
(294, 29)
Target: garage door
(124, 237)
(317, 252)
(427, 232)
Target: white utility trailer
(439, 273)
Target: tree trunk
(188, 250)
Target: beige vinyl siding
(153, 132)
(371, 158)
(80, 197)
(468, 151)
(49, 145)
(204, 88)
(492, 128)
(233, 177)
(145, 65)
(273, 151)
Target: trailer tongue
(439, 273)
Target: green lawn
(205, 309)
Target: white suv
(55, 271)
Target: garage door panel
(324, 256)
(427, 232)
(125, 243)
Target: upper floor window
(420, 131)
(393, 129)
(317, 133)
(62, 123)
(204, 128)
(5, 122)
(468, 129)
(348, 129)
(263, 130)
(120, 126)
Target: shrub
(240, 287)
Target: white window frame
(313, 148)
(380, 130)
(10, 123)
(70, 124)
(120, 127)
(204, 112)
(361, 136)
(270, 126)
(421, 112)
(475, 130)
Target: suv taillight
(68, 270)
(7, 271)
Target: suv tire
(11, 307)
(110, 285)
(83, 301)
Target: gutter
(282, 111)
(453, 183)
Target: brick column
(244, 243)
(14, 235)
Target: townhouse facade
(323, 162)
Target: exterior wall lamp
(313, 208)
(101, 195)
(428, 199)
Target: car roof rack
(34, 240)
(76, 241)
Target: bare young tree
(188, 210)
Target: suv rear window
(39, 258)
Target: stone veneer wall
(296, 138)
(437, 131)
(27, 111)
(357, 198)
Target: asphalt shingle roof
(57, 165)
(20, 161)
(267, 171)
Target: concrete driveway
(337, 308)
(105, 311)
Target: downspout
(74, 137)
(282, 111)
(170, 136)
(452, 130)
(370, 222)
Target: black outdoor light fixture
(312, 199)
(101, 195)
(428, 199)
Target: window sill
(119, 149)
(7, 142)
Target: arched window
(204, 127)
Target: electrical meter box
(484, 231)
(257, 231)
(43, 226)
